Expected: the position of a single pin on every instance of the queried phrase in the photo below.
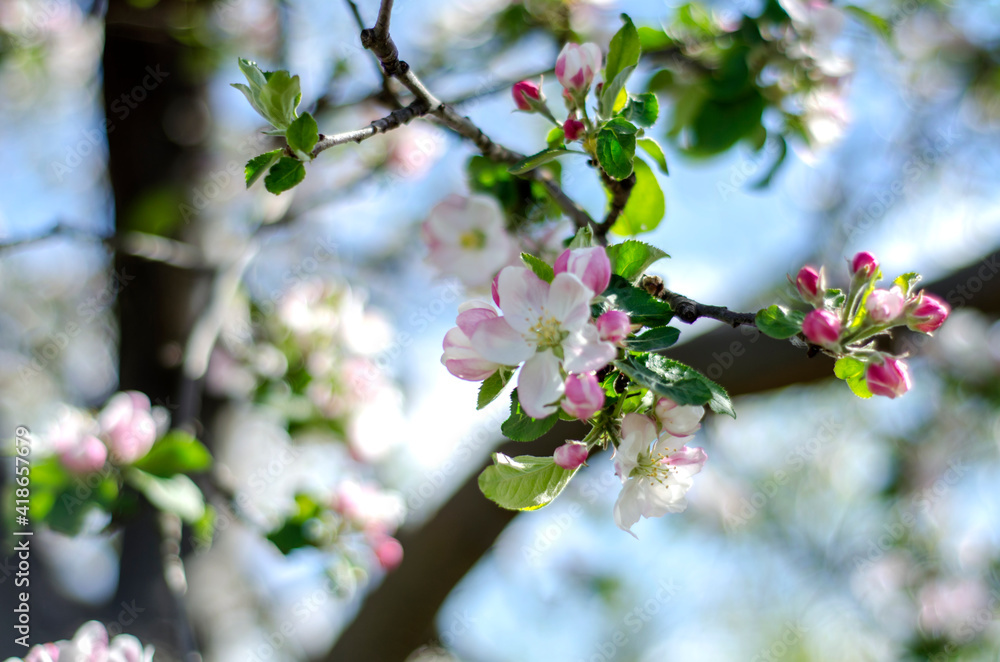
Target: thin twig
(688, 310)
(621, 191)
(393, 120)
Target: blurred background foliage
(823, 528)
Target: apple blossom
(590, 265)
(822, 327)
(90, 644)
(576, 66)
(926, 313)
(811, 284)
(890, 378)
(863, 265)
(128, 427)
(584, 396)
(546, 326)
(678, 420)
(572, 129)
(467, 238)
(655, 480)
(459, 357)
(885, 306)
(388, 552)
(86, 456)
(571, 455)
(523, 91)
(614, 326)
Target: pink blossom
(523, 91)
(90, 644)
(822, 327)
(584, 396)
(546, 326)
(810, 284)
(591, 265)
(459, 357)
(576, 66)
(614, 326)
(890, 378)
(678, 420)
(127, 425)
(87, 456)
(571, 455)
(494, 291)
(573, 129)
(388, 551)
(467, 238)
(367, 507)
(926, 313)
(885, 306)
(863, 265)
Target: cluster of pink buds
(374, 513)
(576, 67)
(91, 643)
(844, 323)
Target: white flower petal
(523, 297)
(539, 384)
(569, 301)
(497, 341)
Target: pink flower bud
(810, 284)
(591, 265)
(127, 425)
(87, 456)
(523, 91)
(863, 265)
(584, 396)
(678, 420)
(389, 552)
(571, 455)
(576, 66)
(926, 313)
(890, 378)
(495, 289)
(573, 129)
(822, 327)
(885, 306)
(614, 326)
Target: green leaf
(641, 306)
(852, 371)
(907, 282)
(874, 21)
(651, 39)
(302, 135)
(293, 534)
(279, 98)
(720, 124)
(584, 238)
(631, 258)
(616, 147)
(259, 164)
(834, 298)
(556, 137)
(778, 322)
(613, 92)
(768, 177)
(646, 204)
(653, 149)
(529, 163)
(623, 51)
(542, 269)
(653, 340)
(675, 380)
(178, 452)
(521, 427)
(177, 494)
(524, 482)
(642, 110)
(284, 174)
(492, 386)
(253, 73)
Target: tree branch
(621, 191)
(393, 120)
(688, 310)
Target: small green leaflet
(852, 371)
(641, 306)
(524, 482)
(631, 258)
(302, 135)
(907, 282)
(616, 147)
(834, 298)
(584, 238)
(541, 269)
(672, 379)
(178, 452)
(259, 164)
(874, 21)
(646, 204)
(556, 137)
(521, 427)
(492, 386)
(529, 163)
(623, 56)
(177, 494)
(284, 174)
(653, 340)
(642, 110)
(274, 95)
(292, 533)
(655, 152)
(779, 323)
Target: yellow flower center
(472, 240)
(548, 334)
